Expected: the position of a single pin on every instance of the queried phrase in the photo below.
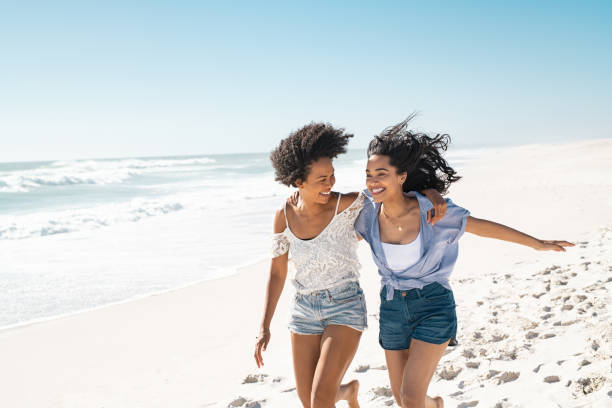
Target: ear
(299, 183)
(403, 176)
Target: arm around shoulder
(346, 200)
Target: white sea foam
(64, 221)
(101, 172)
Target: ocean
(81, 234)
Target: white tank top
(327, 260)
(402, 256)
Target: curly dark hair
(294, 155)
(417, 154)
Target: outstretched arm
(490, 229)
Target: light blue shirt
(440, 246)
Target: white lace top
(327, 260)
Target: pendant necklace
(399, 227)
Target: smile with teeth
(325, 194)
(378, 190)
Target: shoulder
(455, 214)
(279, 224)
(346, 200)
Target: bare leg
(306, 349)
(410, 373)
(348, 392)
(338, 347)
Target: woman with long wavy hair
(414, 258)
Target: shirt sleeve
(364, 220)
(280, 244)
(454, 221)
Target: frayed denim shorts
(341, 305)
(426, 314)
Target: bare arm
(274, 288)
(490, 229)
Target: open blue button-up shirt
(440, 245)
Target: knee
(323, 396)
(410, 400)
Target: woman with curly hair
(328, 313)
(415, 259)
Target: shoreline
(478, 156)
(235, 271)
(192, 347)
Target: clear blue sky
(134, 78)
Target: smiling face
(319, 182)
(382, 179)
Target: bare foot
(348, 392)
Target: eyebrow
(380, 168)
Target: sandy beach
(534, 328)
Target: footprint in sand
(535, 370)
(468, 404)
(549, 335)
(552, 379)
(508, 376)
(449, 373)
(472, 364)
(468, 353)
(498, 337)
(238, 402)
(546, 316)
(254, 378)
(588, 385)
(531, 335)
(382, 392)
(362, 368)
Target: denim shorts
(426, 314)
(342, 305)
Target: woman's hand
(553, 246)
(294, 198)
(262, 343)
(439, 204)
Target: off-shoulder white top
(327, 260)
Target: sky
(152, 78)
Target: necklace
(399, 227)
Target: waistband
(336, 288)
(410, 288)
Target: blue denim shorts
(426, 314)
(343, 305)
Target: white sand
(524, 316)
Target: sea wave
(65, 221)
(99, 172)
